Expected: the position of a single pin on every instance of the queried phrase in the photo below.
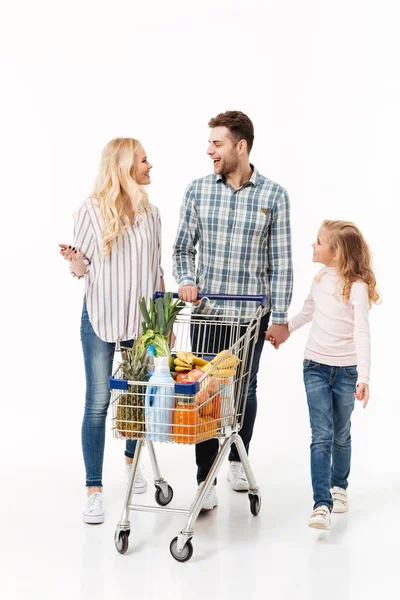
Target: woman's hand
(69, 253)
(74, 257)
(362, 393)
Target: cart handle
(261, 299)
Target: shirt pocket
(257, 221)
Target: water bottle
(160, 402)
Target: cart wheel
(255, 504)
(186, 552)
(122, 541)
(161, 499)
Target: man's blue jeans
(98, 357)
(330, 397)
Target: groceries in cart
(130, 408)
(158, 322)
(159, 402)
(187, 410)
(188, 398)
(186, 363)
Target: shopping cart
(212, 407)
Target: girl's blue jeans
(98, 357)
(330, 396)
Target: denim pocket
(309, 364)
(351, 372)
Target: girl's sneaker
(93, 512)
(320, 518)
(340, 500)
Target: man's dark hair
(239, 125)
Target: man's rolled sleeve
(279, 318)
(280, 260)
(184, 254)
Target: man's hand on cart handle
(277, 335)
(189, 293)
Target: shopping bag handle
(261, 299)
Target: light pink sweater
(339, 334)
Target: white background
(320, 81)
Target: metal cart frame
(242, 346)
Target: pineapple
(130, 409)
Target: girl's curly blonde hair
(353, 257)
(114, 183)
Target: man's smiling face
(223, 151)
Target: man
(240, 222)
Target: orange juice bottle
(185, 420)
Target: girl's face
(141, 167)
(322, 252)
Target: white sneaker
(210, 501)
(340, 500)
(140, 486)
(93, 512)
(320, 518)
(237, 477)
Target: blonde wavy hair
(114, 183)
(353, 257)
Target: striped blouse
(114, 284)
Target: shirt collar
(255, 176)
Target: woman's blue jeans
(98, 357)
(330, 397)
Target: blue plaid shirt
(243, 238)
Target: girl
(336, 358)
(117, 249)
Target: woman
(117, 249)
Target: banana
(182, 363)
(225, 353)
(182, 369)
(232, 361)
(200, 362)
(184, 357)
(224, 373)
(206, 367)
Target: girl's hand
(273, 343)
(362, 393)
(69, 253)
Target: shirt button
(227, 243)
(233, 208)
(230, 225)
